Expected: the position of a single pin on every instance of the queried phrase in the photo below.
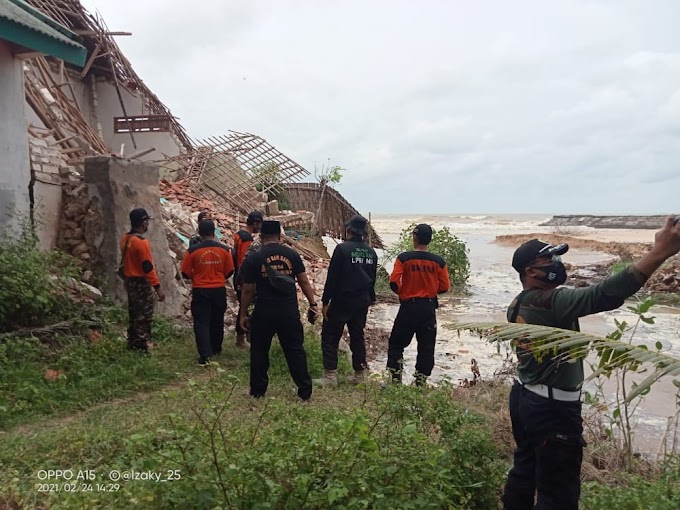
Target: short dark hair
(206, 228)
(423, 233)
(202, 215)
(254, 217)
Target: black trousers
(239, 329)
(267, 321)
(416, 317)
(549, 452)
(208, 307)
(350, 312)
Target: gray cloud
(434, 106)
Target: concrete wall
(15, 172)
(108, 107)
(116, 187)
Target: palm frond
(566, 345)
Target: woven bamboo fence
(330, 206)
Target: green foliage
(617, 267)
(445, 244)
(86, 370)
(662, 492)
(32, 289)
(270, 180)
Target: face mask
(555, 273)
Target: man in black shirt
(270, 273)
(348, 293)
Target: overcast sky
(433, 106)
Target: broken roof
(27, 27)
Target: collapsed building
(99, 142)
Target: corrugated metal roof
(18, 12)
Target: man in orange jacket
(208, 264)
(140, 280)
(418, 277)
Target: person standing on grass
(270, 273)
(208, 264)
(349, 291)
(243, 239)
(418, 277)
(141, 280)
(545, 400)
(203, 215)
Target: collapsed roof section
(239, 169)
(104, 59)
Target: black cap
(270, 228)
(424, 233)
(202, 215)
(206, 228)
(357, 224)
(254, 217)
(531, 250)
(137, 216)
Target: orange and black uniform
(208, 264)
(418, 277)
(140, 280)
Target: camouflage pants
(140, 309)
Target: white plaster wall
(15, 173)
(108, 107)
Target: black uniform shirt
(281, 258)
(351, 273)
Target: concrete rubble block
(115, 187)
(273, 208)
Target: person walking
(203, 215)
(243, 239)
(138, 271)
(545, 400)
(418, 277)
(349, 291)
(208, 264)
(271, 273)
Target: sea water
(494, 283)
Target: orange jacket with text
(137, 259)
(419, 274)
(207, 264)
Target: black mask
(555, 273)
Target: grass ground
(110, 410)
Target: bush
(445, 244)
(31, 285)
(411, 451)
(635, 493)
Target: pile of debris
(79, 223)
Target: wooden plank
(71, 149)
(90, 61)
(139, 154)
(96, 32)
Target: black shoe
(203, 362)
(142, 349)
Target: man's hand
(160, 294)
(243, 320)
(667, 240)
(324, 312)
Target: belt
(418, 299)
(553, 393)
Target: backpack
(281, 283)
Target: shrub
(31, 285)
(445, 244)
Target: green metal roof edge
(47, 20)
(43, 43)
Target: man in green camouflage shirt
(545, 401)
